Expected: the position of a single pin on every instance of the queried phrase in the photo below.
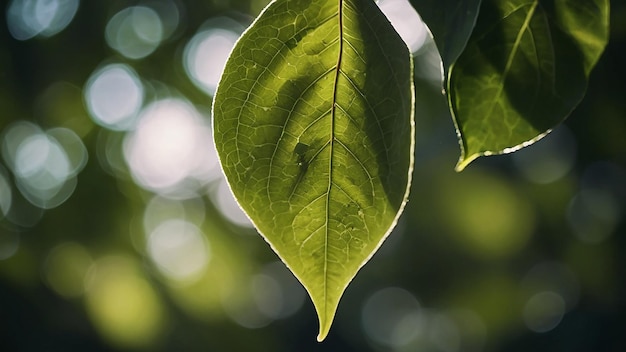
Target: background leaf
(313, 127)
(451, 22)
(524, 70)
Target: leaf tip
(463, 162)
(324, 328)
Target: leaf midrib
(333, 114)
(507, 68)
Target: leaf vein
(369, 176)
(284, 127)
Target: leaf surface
(523, 71)
(451, 23)
(313, 124)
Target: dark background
(518, 252)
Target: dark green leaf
(524, 70)
(451, 22)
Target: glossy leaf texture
(313, 124)
(523, 71)
(451, 23)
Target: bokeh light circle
(276, 292)
(114, 95)
(29, 18)
(391, 317)
(544, 311)
(66, 268)
(170, 145)
(45, 164)
(594, 215)
(205, 56)
(548, 159)
(135, 32)
(122, 304)
(179, 249)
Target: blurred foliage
(519, 252)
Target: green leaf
(523, 71)
(313, 124)
(451, 23)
